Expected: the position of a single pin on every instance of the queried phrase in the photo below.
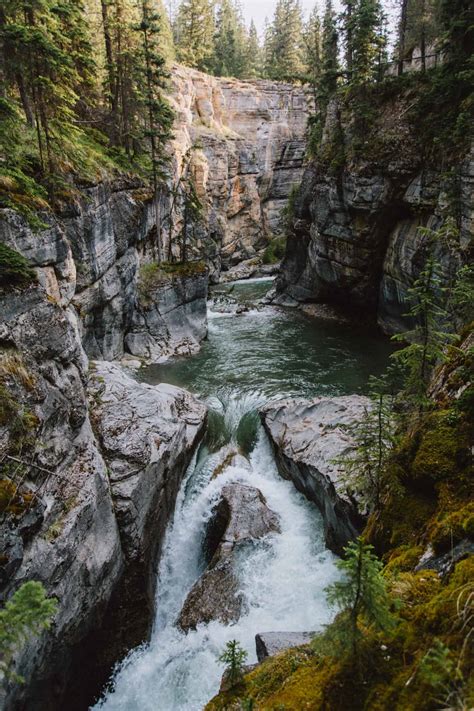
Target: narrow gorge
(236, 349)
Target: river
(253, 354)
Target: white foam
(283, 579)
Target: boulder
(271, 643)
(241, 516)
(308, 437)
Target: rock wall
(250, 140)
(308, 437)
(355, 237)
(103, 468)
(88, 259)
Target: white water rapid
(253, 354)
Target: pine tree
(366, 40)
(253, 54)
(365, 468)
(229, 42)
(426, 339)
(25, 615)
(362, 598)
(194, 33)
(233, 657)
(312, 48)
(284, 42)
(159, 116)
(348, 33)
(329, 54)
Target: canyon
(111, 454)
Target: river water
(253, 354)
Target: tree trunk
(402, 35)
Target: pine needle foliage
(234, 658)
(362, 598)
(25, 615)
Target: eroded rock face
(308, 437)
(252, 140)
(241, 516)
(355, 234)
(89, 261)
(171, 320)
(269, 644)
(105, 494)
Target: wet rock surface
(356, 240)
(307, 437)
(271, 643)
(81, 538)
(240, 517)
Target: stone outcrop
(356, 240)
(241, 516)
(89, 259)
(171, 318)
(307, 437)
(100, 489)
(269, 644)
(250, 139)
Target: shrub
(15, 270)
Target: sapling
(362, 598)
(233, 657)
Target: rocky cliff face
(250, 142)
(356, 238)
(308, 437)
(94, 476)
(89, 261)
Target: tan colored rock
(252, 139)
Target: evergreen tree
(457, 24)
(284, 42)
(362, 597)
(348, 33)
(366, 39)
(233, 657)
(253, 54)
(312, 48)
(329, 54)
(229, 56)
(158, 116)
(41, 59)
(426, 339)
(374, 437)
(25, 615)
(194, 33)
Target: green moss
(15, 270)
(275, 251)
(449, 527)
(443, 450)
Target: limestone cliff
(356, 238)
(250, 139)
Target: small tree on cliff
(233, 657)
(426, 339)
(362, 598)
(26, 614)
(374, 437)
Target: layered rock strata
(90, 260)
(356, 236)
(241, 516)
(309, 437)
(95, 485)
(249, 140)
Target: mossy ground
(431, 504)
